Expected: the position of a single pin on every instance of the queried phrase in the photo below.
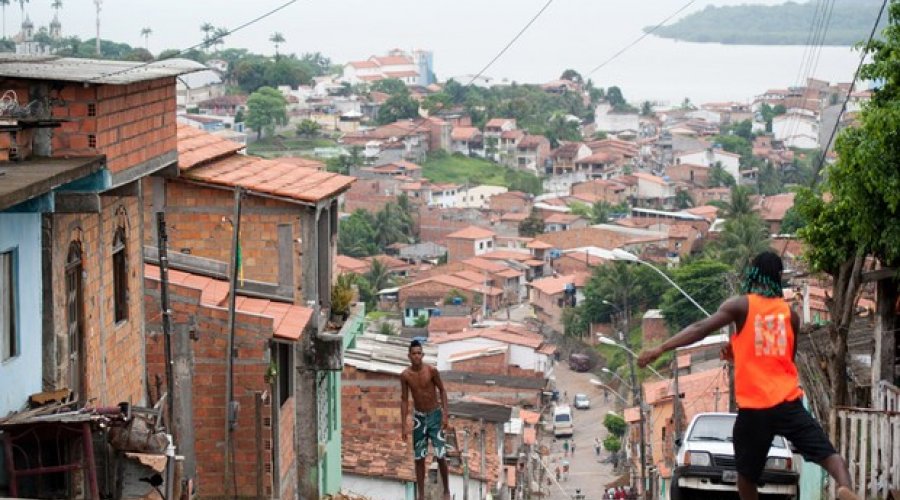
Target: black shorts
(755, 429)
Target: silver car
(582, 402)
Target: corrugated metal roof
(98, 71)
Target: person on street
(429, 416)
(573, 447)
(597, 446)
(566, 447)
(767, 386)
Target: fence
(870, 442)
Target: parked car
(705, 461)
(580, 362)
(563, 426)
(582, 402)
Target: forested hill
(790, 23)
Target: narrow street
(586, 471)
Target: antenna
(98, 4)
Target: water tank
(435, 312)
(555, 253)
(457, 301)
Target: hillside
(459, 169)
(786, 24)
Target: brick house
(286, 211)
(508, 349)
(379, 464)
(611, 192)
(566, 156)
(425, 296)
(71, 312)
(695, 175)
(469, 242)
(511, 202)
(549, 298)
(531, 153)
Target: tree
(743, 238)
(571, 75)
(646, 108)
(769, 112)
(390, 226)
(308, 128)
(207, 29)
(532, 225)
(615, 97)
(392, 86)
(146, 32)
(218, 37)
(793, 221)
(612, 444)
(453, 296)
(683, 200)
(277, 39)
(702, 279)
(398, 107)
(718, 177)
(574, 322)
(615, 424)
(56, 5)
(22, 7)
(379, 276)
(266, 108)
(739, 204)
(356, 237)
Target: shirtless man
(429, 416)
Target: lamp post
(608, 388)
(603, 339)
(619, 254)
(636, 399)
(616, 375)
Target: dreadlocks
(763, 276)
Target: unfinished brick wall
(130, 124)
(370, 403)
(287, 456)
(252, 336)
(459, 249)
(654, 331)
(198, 221)
(112, 352)
(495, 364)
(511, 396)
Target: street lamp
(603, 339)
(619, 254)
(608, 388)
(616, 375)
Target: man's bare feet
(844, 493)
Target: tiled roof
(514, 216)
(196, 146)
(472, 233)
(448, 324)
(484, 264)
(650, 178)
(773, 208)
(551, 285)
(498, 122)
(532, 142)
(569, 150)
(288, 320)
(363, 64)
(392, 60)
(464, 133)
(512, 134)
(345, 263)
(538, 245)
(562, 218)
(401, 74)
(392, 263)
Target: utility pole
(483, 458)
(231, 406)
(98, 4)
(162, 242)
(676, 407)
(716, 395)
(465, 457)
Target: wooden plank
(863, 456)
(895, 445)
(76, 203)
(853, 464)
(872, 472)
(878, 275)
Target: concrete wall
(375, 488)
(21, 375)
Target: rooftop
(472, 233)
(22, 181)
(98, 71)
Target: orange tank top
(764, 371)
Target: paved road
(586, 470)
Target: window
(74, 317)
(120, 276)
(8, 333)
(285, 356)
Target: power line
(206, 42)
(837, 121)
(638, 39)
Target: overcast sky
(463, 34)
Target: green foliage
(397, 107)
(785, 24)
(768, 113)
(392, 86)
(742, 129)
(615, 424)
(597, 213)
(718, 177)
(571, 75)
(793, 220)
(252, 71)
(739, 204)
(421, 322)
(308, 128)
(441, 167)
(239, 116)
(574, 323)
(266, 108)
(385, 328)
(769, 180)
(531, 226)
(356, 237)
(736, 144)
(743, 238)
(342, 294)
(612, 444)
(702, 279)
(683, 200)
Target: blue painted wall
(21, 375)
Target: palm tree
(389, 226)
(276, 38)
(207, 29)
(146, 32)
(56, 5)
(683, 200)
(744, 237)
(379, 276)
(3, 4)
(219, 36)
(740, 204)
(22, 6)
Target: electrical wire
(206, 42)
(837, 121)
(638, 39)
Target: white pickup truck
(705, 462)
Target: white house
(443, 195)
(796, 130)
(523, 349)
(397, 64)
(731, 162)
(653, 187)
(707, 115)
(606, 119)
(477, 196)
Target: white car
(705, 461)
(563, 426)
(582, 402)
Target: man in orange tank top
(767, 387)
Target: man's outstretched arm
(728, 313)
(445, 411)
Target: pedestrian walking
(565, 470)
(558, 474)
(566, 447)
(766, 383)
(597, 446)
(573, 448)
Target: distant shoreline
(791, 23)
